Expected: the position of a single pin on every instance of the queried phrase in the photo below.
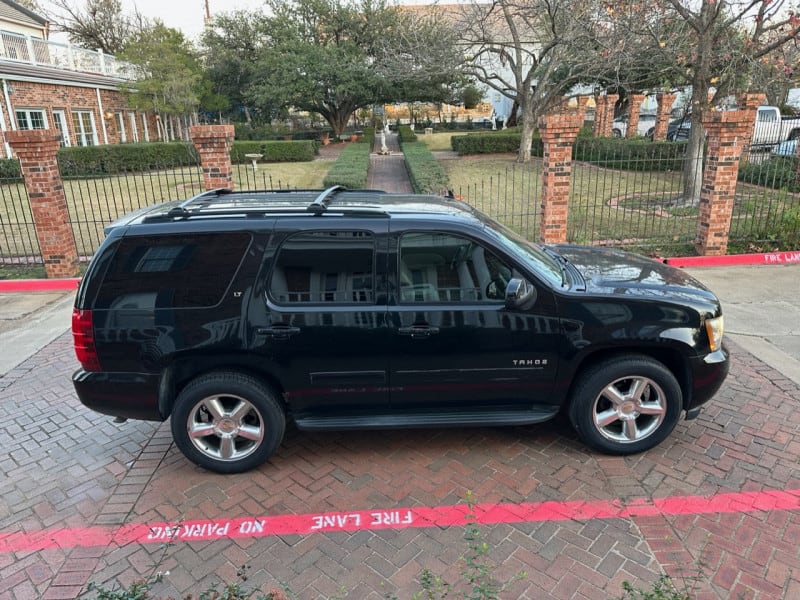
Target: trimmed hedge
(406, 134)
(10, 170)
(630, 155)
(272, 152)
(92, 161)
(778, 172)
(350, 169)
(492, 143)
(426, 174)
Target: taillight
(83, 339)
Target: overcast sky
(187, 15)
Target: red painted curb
(731, 260)
(8, 286)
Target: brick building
(52, 85)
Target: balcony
(25, 49)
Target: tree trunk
(528, 127)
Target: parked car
(772, 128)
(787, 148)
(619, 127)
(233, 313)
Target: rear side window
(175, 271)
(325, 267)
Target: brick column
(634, 105)
(559, 132)
(604, 115)
(37, 150)
(665, 102)
(213, 143)
(727, 137)
(582, 101)
(750, 102)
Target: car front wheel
(227, 422)
(625, 405)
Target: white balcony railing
(35, 51)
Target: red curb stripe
(402, 518)
(767, 258)
(38, 285)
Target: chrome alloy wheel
(629, 409)
(225, 427)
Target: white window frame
(81, 135)
(28, 114)
(146, 129)
(60, 122)
(123, 135)
(134, 129)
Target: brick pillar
(727, 137)
(750, 102)
(635, 105)
(582, 101)
(213, 143)
(559, 132)
(665, 102)
(36, 150)
(604, 115)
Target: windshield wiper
(562, 264)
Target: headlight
(714, 330)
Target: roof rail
(203, 198)
(321, 202)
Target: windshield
(531, 254)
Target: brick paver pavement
(67, 467)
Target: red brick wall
(48, 96)
(213, 143)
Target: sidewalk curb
(8, 286)
(735, 260)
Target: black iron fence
(631, 199)
(639, 200)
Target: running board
(426, 419)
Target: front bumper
(708, 373)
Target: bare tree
(726, 40)
(95, 24)
(535, 52)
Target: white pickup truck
(773, 128)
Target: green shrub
(425, 172)
(777, 172)
(10, 170)
(489, 143)
(94, 161)
(350, 169)
(406, 134)
(630, 155)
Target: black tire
(237, 422)
(625, 405)
(617, 133)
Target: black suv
(233, 312)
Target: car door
(455, 344)
(323, 329)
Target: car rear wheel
(625, 405)
(227, 422)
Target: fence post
(665, 102)
(634, 107)
(604, 115)
(37, 150)
(213, 143)
(559, 132)
(727, 138)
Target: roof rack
(202, 199)
(321, 202)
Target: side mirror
(519, 293)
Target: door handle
(278, 332)
(418, 331)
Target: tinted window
(331, 267)
(438, 267)
(176, 271)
